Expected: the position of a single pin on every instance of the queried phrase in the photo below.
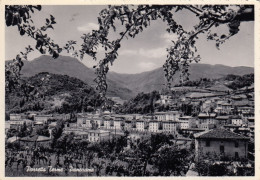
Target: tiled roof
(219, 134)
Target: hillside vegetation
(52, 93)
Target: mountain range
(124, 86)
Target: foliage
(208, 165)
(24, 130)
(20, 16)
(238, 82)
(197, 83)
(40, 91)
(143, 103)
(182, 52)
(57, 131)
(43, 131)
(170, 160)
(134, 20)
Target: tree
(43, 131)
(134, 20)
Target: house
(84, 121)
(128, 125)
(224, 107)
(166, 116)
(221, 142)
(245, 109)
(222, 120)
(206, 126)
(109, 123)
(15, 124)
(251, 121)
(15, 117)
(43, 118)
(98, 135)
(153, 126)
(98, 122)
(227, 108)
(208, 118)
(170, 126)
(237, 120)
(118, 123)
(140, 125)
(186, 121)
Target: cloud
(128, 52)
(146, 66)
(88, 27)
(153, 53)
(149, 53)
(168, 38)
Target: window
(236, 144)
(236, 155)
(84, 121)
(208, 143)
(222, 149)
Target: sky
(145, 52)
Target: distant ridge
(125, 85)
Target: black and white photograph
(129, 90)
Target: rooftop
(99, 131)
(222, 117)
(219, 134)
(205, 115)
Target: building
(206, 126)
(170, 126)
(98, 135)
(153, 126)
(208, 118)
(43, 118)
(167, 116)
(222, 120)
(84, 121)
(237, 120)
(223, 107)
(251, 121)
(128, 125)
(221, 142)
(15, 117)
(140, 125)
(118, 124)
(186, 121)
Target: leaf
(52, 18)
(50, 26)
(43, 28)
(48, 21)
(223, 36)
(55, 55)
(22, 32)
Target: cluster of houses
(224, 125)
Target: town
(223, 128)
(130, 90)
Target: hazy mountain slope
(154, 80)
(66, 65)
(125, 85)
